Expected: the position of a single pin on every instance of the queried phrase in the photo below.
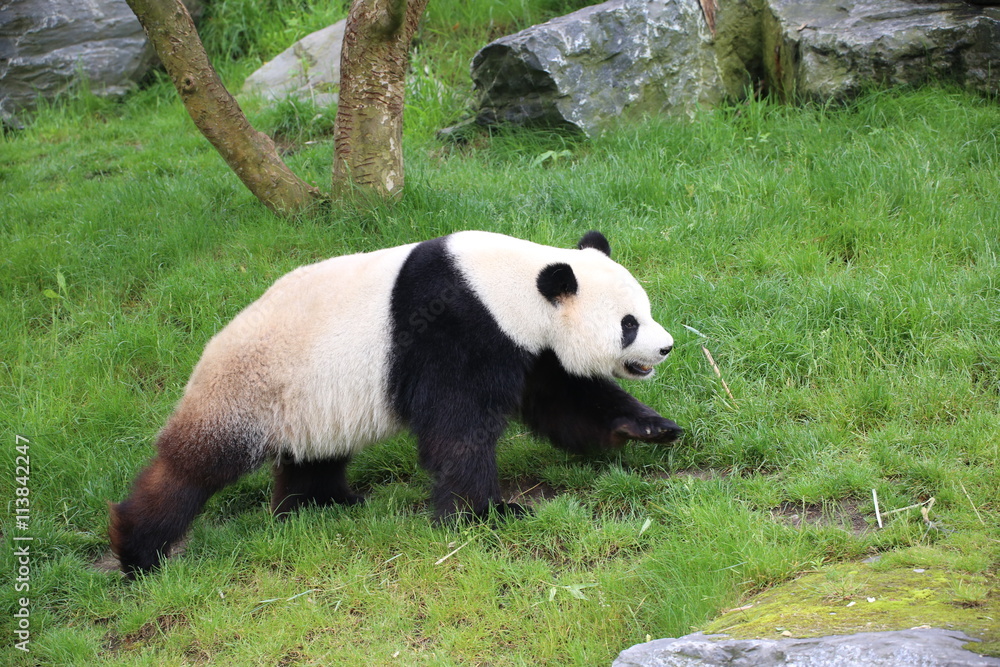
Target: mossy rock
(864, 597)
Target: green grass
(841, 265)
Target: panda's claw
(651, 429)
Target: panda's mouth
(635, 369)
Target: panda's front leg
(464, 469)
(584, 415)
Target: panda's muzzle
(640, 370)
(635, 369)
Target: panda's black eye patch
(630, 329)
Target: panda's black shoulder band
(596, 240)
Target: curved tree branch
(252, 155)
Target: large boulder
(45, 45)
(598, 63)
(308, 69)
(588, 67)
(866, 649)
(830, 51)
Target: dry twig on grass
(718, 373)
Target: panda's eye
(630, 329)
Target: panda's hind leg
(193, 462)
(584, 415)
(310, 482)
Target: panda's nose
(664, 351)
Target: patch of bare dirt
(107, 562)
(526, 491)
(843, 514)
(149, 631)
(704, 474)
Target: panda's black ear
(556, 281)
(595, 240)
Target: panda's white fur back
(318, 345)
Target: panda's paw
(509, 510)
(647, 429)
(351, 499)
(492, 511)
(501, 511)
(282, 508)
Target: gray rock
(46, 44)
(909, 648)
(308, 69)
(822, 50)
(591, 66)
(588, 67)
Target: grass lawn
(840, 264)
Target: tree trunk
(368, 133)
(249, 153)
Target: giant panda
(447, 338)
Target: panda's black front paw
(647, 429)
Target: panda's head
(602, 321)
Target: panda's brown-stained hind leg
(160, 508)
(192, 464)
(319, 482)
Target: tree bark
(252, 155)
(368, 132)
